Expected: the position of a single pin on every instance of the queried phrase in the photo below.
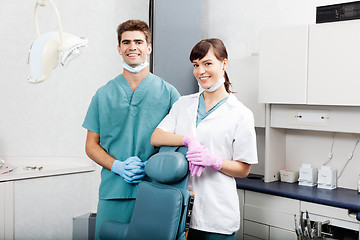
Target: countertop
(34, 167)
(339, 197)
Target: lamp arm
(44, 3)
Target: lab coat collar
(194, 105)
(231, 100)
(191, 110)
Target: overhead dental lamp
(51, 49)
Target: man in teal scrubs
(120, 120)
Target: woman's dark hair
(202, 48)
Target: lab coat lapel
(215, 114)
(191, 111)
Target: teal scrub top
(202, 113)
(125, 121)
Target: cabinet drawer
(247, 237)
(271, 210)
(273, 203)
(278, 233)
(328, 211)
(256, 229)
(269, 217)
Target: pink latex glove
(203, 157)
(192, 143)
(195, 169)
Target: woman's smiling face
(208, 70)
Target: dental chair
(163, 205)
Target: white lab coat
(227, 132)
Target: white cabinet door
(278, 234)
(334, 61)
(44, 208)
(257, 230)
(270, 210)
(247, 237)
(2, 211)
(283, 65)
(6, 210)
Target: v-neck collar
(202, 114)
(134, 98)
(202, 105)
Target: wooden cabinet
(314, 65)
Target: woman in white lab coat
(219, 132)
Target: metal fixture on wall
(51, 49)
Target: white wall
(239, 22)
(314, 147)
(45, 119)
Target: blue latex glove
(132, 169)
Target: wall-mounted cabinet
(283, 65)
(308, 77)
(315, 64)
(334, 57)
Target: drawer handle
(353, 214)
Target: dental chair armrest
(113, 231)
